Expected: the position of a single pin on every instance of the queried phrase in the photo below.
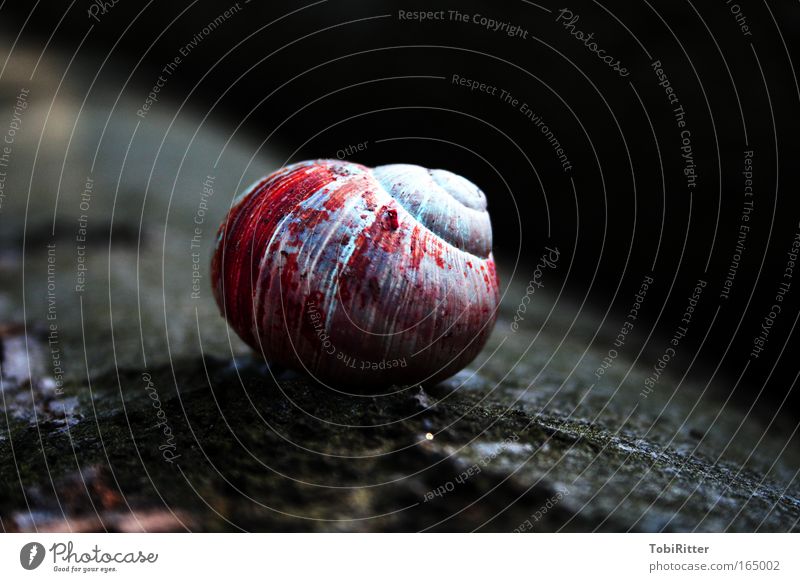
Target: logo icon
(31, 555)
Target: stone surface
(166, 423)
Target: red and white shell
(360, 277)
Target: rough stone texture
(249, 459)
(525, 438)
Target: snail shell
(359, 276)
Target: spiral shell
(359, 276)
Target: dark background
(311, 81)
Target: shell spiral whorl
(361, 277)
